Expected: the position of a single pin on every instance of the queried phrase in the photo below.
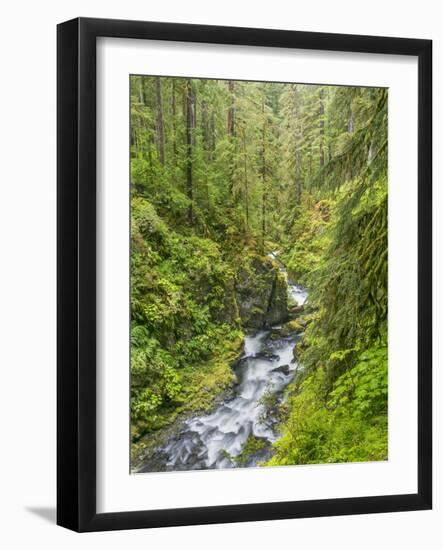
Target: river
(217, 439)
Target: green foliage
(183, 306)
(349, 284)
(292, 327)
(222, 173)
(365, 385)
(348, 424)
(307, 239)
(339, 412)
(252, 446)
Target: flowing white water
(298, 294)
(214, 440)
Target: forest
(259, 262)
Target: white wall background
(27, 273)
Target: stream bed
(216, 440)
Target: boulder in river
(282, 368)
(278, 305)
(261, 292)
(293, 327)
(269, 354)
(296, 310)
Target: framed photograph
(244, 274)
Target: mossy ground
(292, 327)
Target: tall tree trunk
(150, 162)
(205, 127)
(297, 153)
(144, 93)
(231, 110)
(231, 132)
(212, 137)
(351, 127)
(310, 162)
(141, 97)
(351, 122)
(246, 192)
(160, 125)
(206, 145)
(322, 129)
(298, 178)
(263, 176)
(144, 100)
(189, 141)
(174, 124)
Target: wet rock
(155, 462)
(261, 292)
(278, 305)
(283, 369)
(293, 327)
(295, 311)
(269, 354)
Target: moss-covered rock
(293, 327)
(299, 347)
(295, 310)
(252, 447)
(278, 304)
(261, 292)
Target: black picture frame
(76, 279)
